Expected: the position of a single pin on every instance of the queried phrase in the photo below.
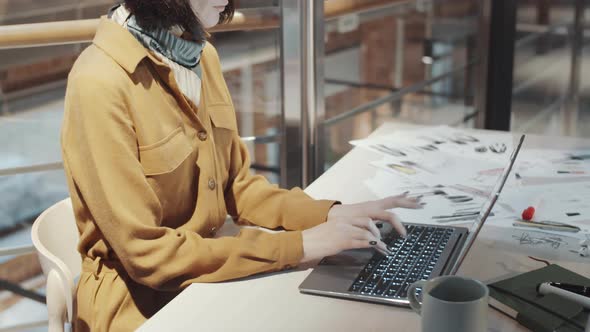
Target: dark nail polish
(373, 243)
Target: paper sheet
(444, 169)
(553, 163)
(444, 205)
(540, 244)
(564, 203)
(456, 170)
(413, 143)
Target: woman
(154, 164)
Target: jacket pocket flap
(223, 116)
(166, 155)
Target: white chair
(55, 238)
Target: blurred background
(508, 65)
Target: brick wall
(30, 75)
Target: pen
(556, 223)
(580, 157)
(546, 288)
(548, 225)
(571, 172)
(458, 215)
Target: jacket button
(202, 135)
(211, 183)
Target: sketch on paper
(454, 170)
(553, 202)
(540, 240)
(411, 144)
(443, 204)
(443, 169)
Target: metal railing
(17, 13)
(80, 31)
(396, 95)
(31, 169)
(6, 285)
(15, 251)
(53, 33)
(67, 32)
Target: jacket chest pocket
(224, 125)
(223, 117)
(169, 166)
(224, 128)
(166, 155)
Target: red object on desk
(528, 213)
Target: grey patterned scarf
(184, 52)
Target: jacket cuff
(290, 249)
(315, 213)
(304, 212)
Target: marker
(547, 288)
(532, 212)
(578, 289)
(529, 213)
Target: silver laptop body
(335, 275)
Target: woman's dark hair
(165, 14)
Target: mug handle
(416, 306)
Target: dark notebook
(518, 297)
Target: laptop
(427, 251)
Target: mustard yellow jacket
(152, 177)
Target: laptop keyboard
(412, 259)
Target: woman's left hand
(377, 210)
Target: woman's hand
(338, 234)
(352, 226)
(377, 210)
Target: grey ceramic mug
(451, 304)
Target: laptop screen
(486, 208)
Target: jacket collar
(120, 45)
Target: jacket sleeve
(100, 155)
(251, 199)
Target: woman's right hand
(338, 234)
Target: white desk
(272, 302)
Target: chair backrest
(55, 236)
